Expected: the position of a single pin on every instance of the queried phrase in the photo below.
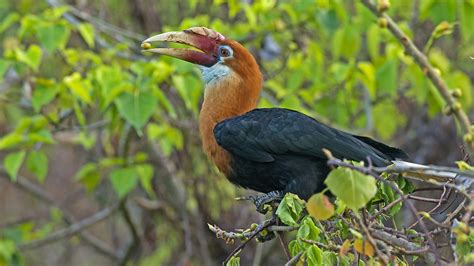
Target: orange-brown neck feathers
(232, 88)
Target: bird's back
(281, 149)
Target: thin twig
(295, 259)
(135, 242)
(259, 229)
(431, 73)
(71, 230)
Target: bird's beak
(206, 56)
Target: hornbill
(270, 150)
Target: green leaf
(290, 209)
(112, 82)
(43, 94)
(386, 76)
(13, 162)
(37, 163)
(79, 87)
(352, 187)
(189, 88)
(8, 252)
(367, 77)
(467, 20)
(389, 196)
(346, 43)
(373, 41)
(53, 36)
(314, 256)
(4, 65)
(43, 136)
(387, 119)
(294, 247)
(168, 137)
(87, 32)
(462, 165)
(320, 207)
(330, 258)
(145, 173)
(10, 140)
(123, 180)
(8, 21)
(32, 57)
(89, 176)
(234, 261)
(437, 11)
(55, 12)
(307, 230)
(136, 108)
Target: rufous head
(218, 55)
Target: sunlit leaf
(145, 173)
(13, 162)
(78, 86)
(32, 56)
(354, 188)
(308, 230)
(314, 256)
(87, 32)
(234, 261)
(290, 209)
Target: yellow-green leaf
(13, 162)
(87, 32)
(78, 86)
(352, 187)
(32, 56)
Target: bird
(269, 150)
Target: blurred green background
(87, 120)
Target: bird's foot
(261, 201)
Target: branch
(135, 243)
(71, 230)
(295, 259)
(431, 73)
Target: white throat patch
(215, 73)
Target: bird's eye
(225, 51)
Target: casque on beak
(207, 56)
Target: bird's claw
(261, 201)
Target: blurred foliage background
(88, 121)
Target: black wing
(262, 133)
